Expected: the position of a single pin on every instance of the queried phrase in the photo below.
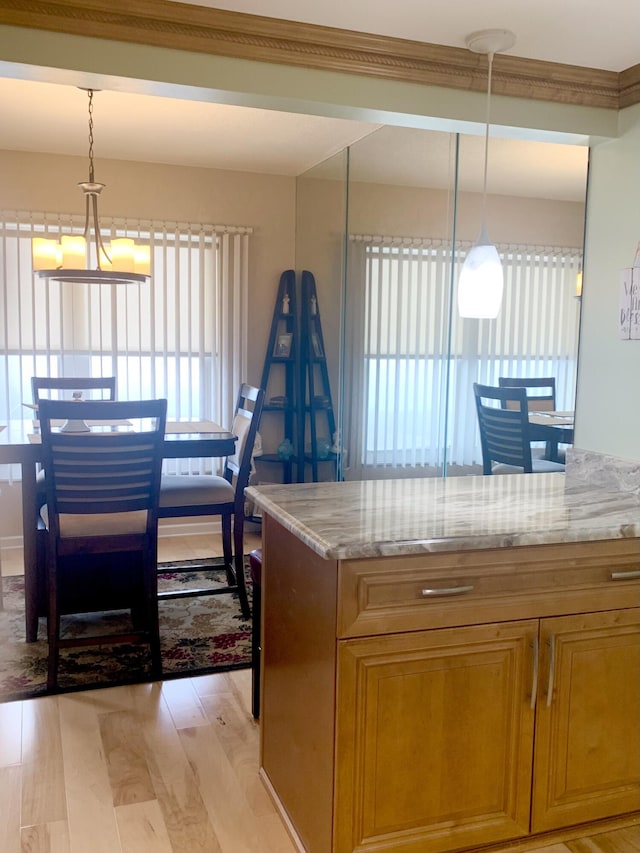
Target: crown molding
(201, 29)
(630, 86)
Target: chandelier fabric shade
(122, 262)
(481, 280)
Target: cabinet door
(434, 738)
(587, 745)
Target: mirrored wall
(383, 228)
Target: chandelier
(122, 262)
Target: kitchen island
(450, 663)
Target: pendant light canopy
(481, 280)
(123, 262)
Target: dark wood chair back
(541, 391)
(103, 387)
(245, 425)
(503, 418)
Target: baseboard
(10, 543)
(187, 527)
(166, 528)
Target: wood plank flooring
(169, 767)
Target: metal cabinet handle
(452, 590)
(625, 576)
(552, 668)
(534, 685)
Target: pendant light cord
(486, 145)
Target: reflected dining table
(20, 444)
(552, 427)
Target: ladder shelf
(317, 424)
(280, 375)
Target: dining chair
(59, 388)
(65, 387)
(101, 520)
(541, 396)
(99, 387)
(503, 419)
(183, 496)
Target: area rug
(198, 636)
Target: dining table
(552, 427)
(20, 445)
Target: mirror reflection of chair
(101, 521)
(183, 496)
(541, 394)
(541, 390)
(503, 419)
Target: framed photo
(315, 344)
(283, 345)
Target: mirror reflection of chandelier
(122, 262)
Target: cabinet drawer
(387, 595)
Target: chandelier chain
(90, 92)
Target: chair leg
(227, 549)
(53, 633)
(150, 570)
(238, 542)
(154, 645)
(255, 562)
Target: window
(183, 337)
(416, 360)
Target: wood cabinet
(587, 746)
(448, 701)
(434, 738)
(438, 731)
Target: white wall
(608, 400)
(48, 183)
(264, 202)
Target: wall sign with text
(629, 322)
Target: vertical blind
(411, 360)
(183, 336)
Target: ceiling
(52, 118)
(591, 33)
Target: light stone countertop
(393, 517)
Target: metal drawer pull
(451, 590)
(534, 685)
(625, 576)
(552, 668)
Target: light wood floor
(170, 767)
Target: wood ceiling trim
(630, 87)
(214, 31)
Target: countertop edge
(479, 541)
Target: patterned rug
(198, 636)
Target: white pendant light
(481, 280)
